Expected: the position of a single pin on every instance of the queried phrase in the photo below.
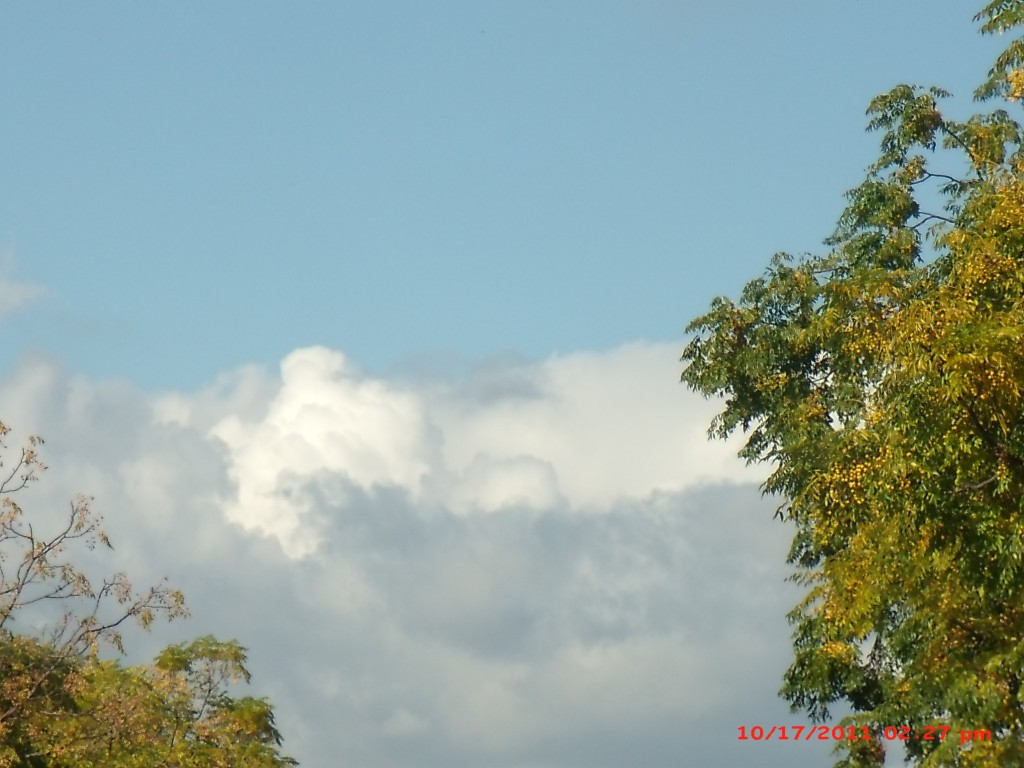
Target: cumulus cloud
(322, 420)
(615, 425)
(537, 565)
(586, 430)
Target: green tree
(882, 382)
(177, 712)
(63, 706)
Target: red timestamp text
(857, 733)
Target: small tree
(61, 705)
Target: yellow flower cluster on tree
(1015, 80)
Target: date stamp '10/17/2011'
(857, 732)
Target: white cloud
(613, 425)
(539, 565)
(588, 430)
(323, 419)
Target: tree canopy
(882, 382)
(62, 704)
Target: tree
(176, 712)
(882, 382)
(62, 704)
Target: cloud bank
(537, 565)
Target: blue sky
(361, 322)
(198, 186)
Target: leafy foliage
(882, 382)
(63, 706)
